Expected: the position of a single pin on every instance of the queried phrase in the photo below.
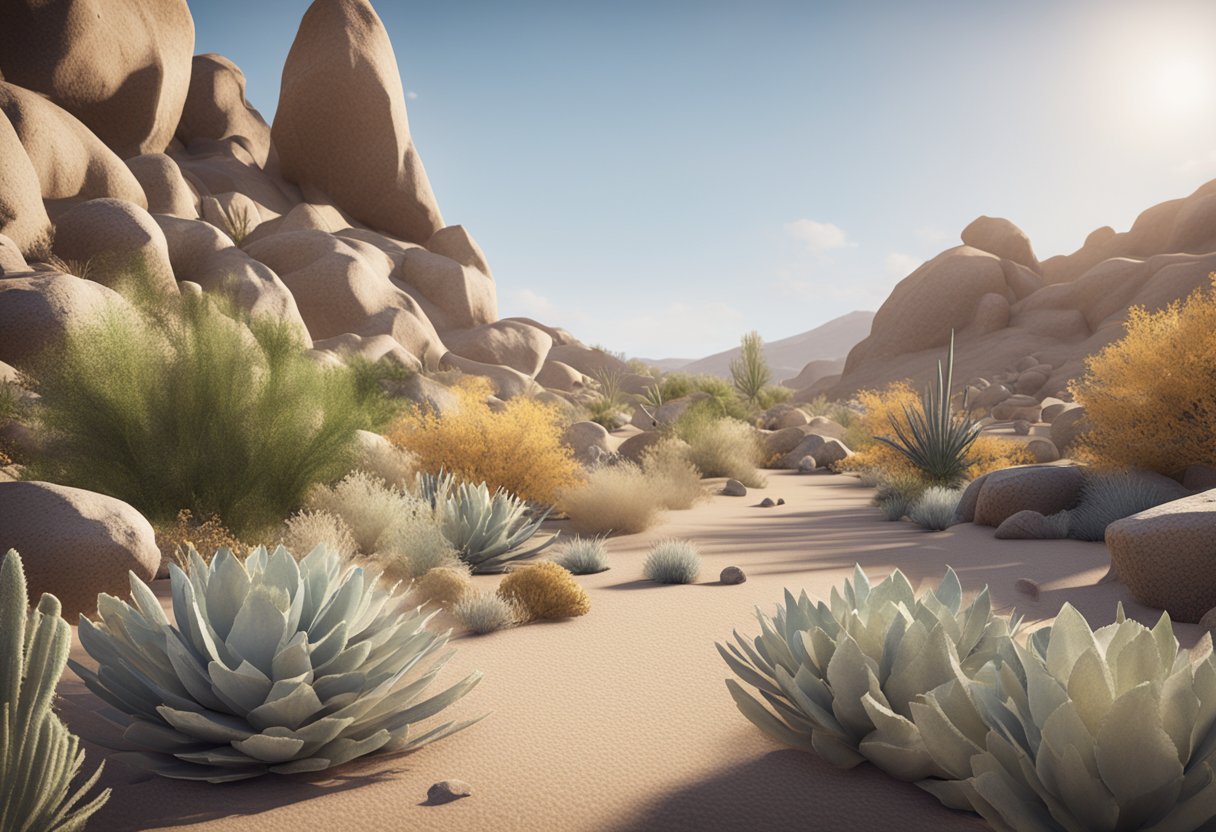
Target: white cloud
(411, 95)
(819, 237)
(902, 265)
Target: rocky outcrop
(164, 186)
(38, 309)
(118, 241)
(122, 67)
(999, 236)
(341, 79)
(23, 218)
(216, 110)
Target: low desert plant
(206, 536)
(271, 665)
(482, 613)
(934, 509)
(39, 757)
(305, 530)
(676, 481)
(1108, 496)
(749, 371)
(545, 591)
(612, 499)
(178, 405)
(841, 677)
(721, 447)
(368, 506)
(394, 465)
(518, 448)
(672, 562)
(583, 555)
(607, 413)
(1150, 397)
(237, 222)
(486, 529)
(445, 586)
(898, 492)
(934, 436)
(1082, 729)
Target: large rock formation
(120, 66)
(216, 109)
(23, 218)
(341, 81)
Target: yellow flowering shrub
(518, 448)
(545, 590)
(1151, 396)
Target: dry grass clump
(583, 555)
(677, 482)
(721, 447)
(204, 536)
(444, 585)
(1151, 396)
(545, 590)
(482, 613)
(306, 530)
(673, 562)
(517, 448)
(396, 466)
(935, 508)
(612, 499)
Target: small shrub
(1150, 397)
(897, 493)
(483, 613)
(306, 530)
(366, 504)
(677, 482)
(206, 537)
(616, 499)
(583, 555)
(444, 585)
(545, 591)
(39, 757)
(934, 509)
(518, 449)
(673, 562)
(395, 466)
(721, 447)
(749, 372)
(1108, 496)
(607, 413)
(178, 405)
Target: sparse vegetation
(583, 555)
(672, 562)
(545, 591)
(749, 372)
(445, 586)
(676, 480)
(205, 536)
(721, 447)
(615, 499)
(305, 530)
(1150, 397)
(898, 492)
(518, 449)
(934, 509)
(1108, 496)
(482, 613)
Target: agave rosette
(271, 665)
(1113, 729)
(839, 677)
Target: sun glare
(1183, 84)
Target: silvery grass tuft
(1113, 729)
(673, 562)
(583, 555)
(486, 528)
(937, 439)
(934, 509)
(839, 677)
(39, 757)
(271, 665)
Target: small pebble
(445, 791)
(780, 501)
(734, 488)
(732, 575)
(767, 502)
(1027, 587)
(807, 465)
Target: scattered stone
(780, 501)
(807, 465)
(734, 488)
(1043, 450)
(1021, 427)
(767, 502)
(1027, 587)
(445, 791)
(732, 575)
(826, 452)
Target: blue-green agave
(1113, 729)
(270, 665)
(839, 678)
(39, 757)
(485, 528)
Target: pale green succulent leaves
(271, 665)
(839, 677)
(39, 757)
(1088, 730)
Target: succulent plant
(486, 528)
(839, 677)
(1113, 729)
(39, 757)
(270, 665)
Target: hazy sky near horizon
(660, 177)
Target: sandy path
(620, 720)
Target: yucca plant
(936, 438)
(271, 665)
(39, 757)
(749, 372)
(485, 528)
(1113, 729)
(840, 677)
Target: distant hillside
(786, 357)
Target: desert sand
(620, 720)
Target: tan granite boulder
(23, 218)
(216, 109)
(1046, 489)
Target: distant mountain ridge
(788, 356)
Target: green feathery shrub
(39, 757)
(749, 372)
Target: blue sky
(662, 177)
